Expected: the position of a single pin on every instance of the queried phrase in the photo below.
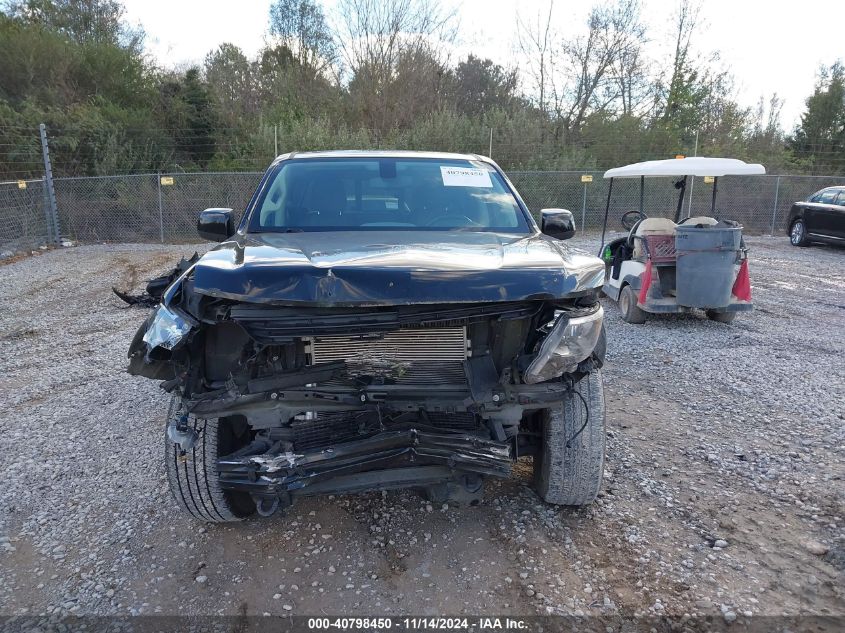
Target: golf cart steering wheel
(630, 219)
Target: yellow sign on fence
(21, 184)
(587, 178)
(708, 180)
(166, 181)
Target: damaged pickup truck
(379, 320)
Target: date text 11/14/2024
(421, 623)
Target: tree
(630, 71)
(595, 72)
(230, 77)
(188, 110)
(819, 140)
(682, 95)
(300, 26)
(699, 95)
(765, 141)
(535, 41)
(393, 51)
(611, 47)
(479, 86)
(99, 21)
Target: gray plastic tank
(705, 272)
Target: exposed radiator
(415, 356)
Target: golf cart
(668, 266)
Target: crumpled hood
(394, 268)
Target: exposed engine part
(267, 506)
(419, 356)
(180, 433)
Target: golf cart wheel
(631, 312)
(721, 317)
(569, 466)
(192, 474)
(798, 233)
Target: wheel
(720, 317)
(193, 475)
(572, 475)
(798, 233)
(631, 312)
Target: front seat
(650, 227)
(326, 203)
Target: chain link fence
(24, 221)
(164, 207)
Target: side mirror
(216, 225)
(557, 223)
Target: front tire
(569, 465)
(720, 317)
(631, 312)
(192, 474)
(798, 233)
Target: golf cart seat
(657, 235)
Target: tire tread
(573, 476)
(194, 481)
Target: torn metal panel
(154, 292)
(287, 471)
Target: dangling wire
(586, 419)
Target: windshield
(359, 194)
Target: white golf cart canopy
(683, 168)
(693, 166)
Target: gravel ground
(723, 494)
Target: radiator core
(414, 356)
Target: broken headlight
(571, 340)
(166, 329)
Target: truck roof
(357, 153)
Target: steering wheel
(451, 218)
(629, 219)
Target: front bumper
(389, 459)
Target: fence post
(160, 208)
(584, 208)
(775, 207)
(47, 221)
(50, 211)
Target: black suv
(379, 320)
(820, 218)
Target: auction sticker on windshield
(465, 177)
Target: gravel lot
(723, 496)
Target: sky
(769, 46)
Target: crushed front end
(346, 399)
